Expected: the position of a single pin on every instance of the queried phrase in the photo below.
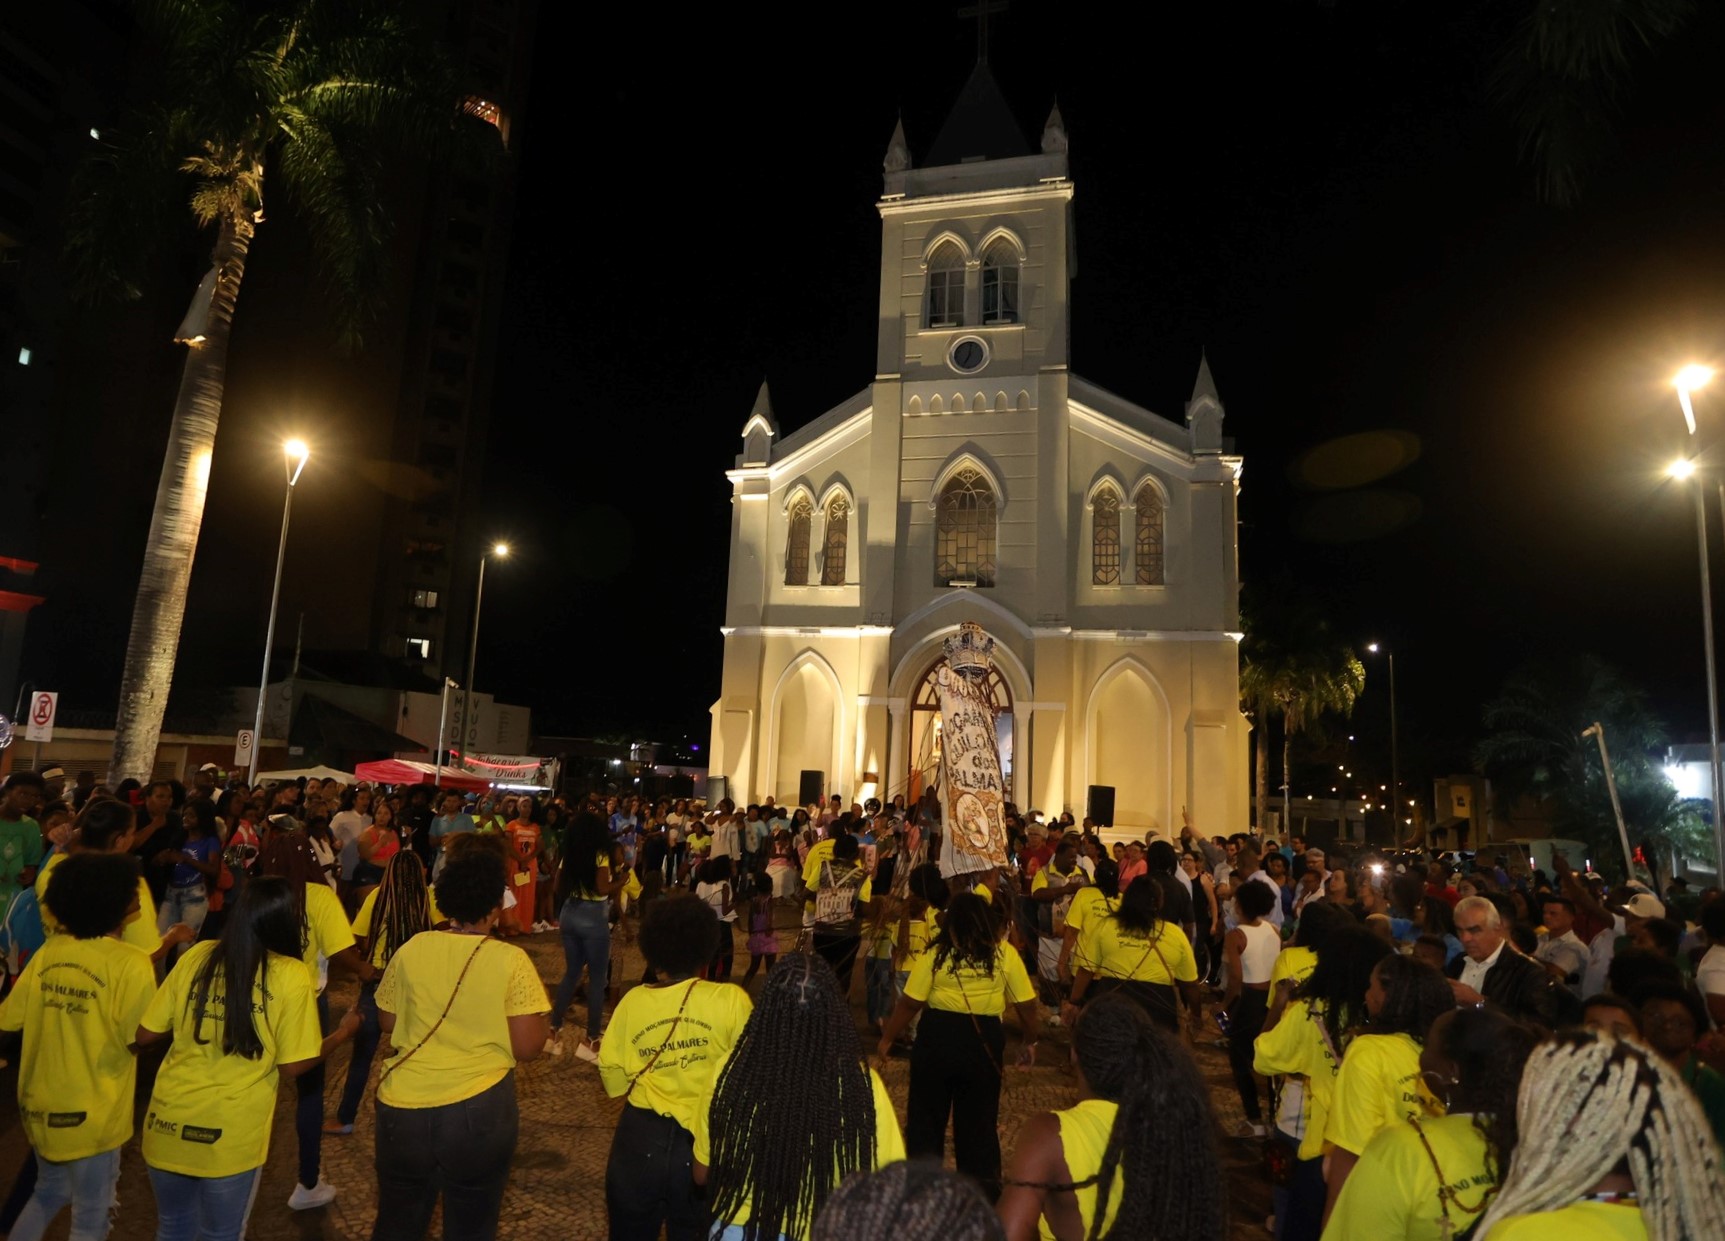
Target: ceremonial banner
(973, 791)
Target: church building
(979, 479)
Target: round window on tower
(968, 354)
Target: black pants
(840, 952)
(649, 1180)
(460, 1150)
(308, 1109)
(1245, 1023)
(955, 1069)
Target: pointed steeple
(897, 150)
(979, 127)
(1204, 410)
(760, 430)
(1054, 141)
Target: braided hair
(1336, 988)
(402, 907)
(909, 1199)
(1415, 995)
(1591, 1104)
(968, 935)
(1489, 1049)
(1162, 1141)
(793, 1111)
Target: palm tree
(314, 93)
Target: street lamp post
(1395, 747)
(1687, 381)
(442, 721)
(501, 551)
(296, 453)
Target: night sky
(1325, 197)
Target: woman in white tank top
(1250, 950)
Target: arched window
(1105, 538)
(1147, 553)
(838, 537)
(1000, 283)
(964, 534)
(945, 287)
(797, 542)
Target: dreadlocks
(1164, 1115)
(910, 1200)
(1336, 988)
(1489, 1049)
(289, 856)
(403, 906)
(968, 935)
(1415, 995)
(1591, 1103)
(793, 1111)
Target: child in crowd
(763, 940)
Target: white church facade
(978, 479)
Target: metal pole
(472, 656)
(1395, 761)
(1597, 731)
(1712, 676)
(442, 720)
(269, 642)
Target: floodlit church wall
(844, 474)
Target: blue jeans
(586, 931)
(308, 1111)
(882, 982)
(87, 1184)
(202, 1208)
(364, 1050)
(190, 905)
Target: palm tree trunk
(1261, 761)
(1287, 772)
(160, 604)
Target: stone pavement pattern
(557, 1187)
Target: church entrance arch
(925, 729)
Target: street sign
(243, 749)
(40, 724)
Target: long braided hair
(1489, 1050)
(1162, 1142)
(910, 1199)
(793, 1111)
(1335, 991)
(1591, 1104)
(969, 936)
(402, 908)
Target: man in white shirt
(1562, 953)
(1247, 870)
(727, 841)
(1491, 970)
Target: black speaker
(811, 790)
(1100, 805)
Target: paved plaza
(557, 1189)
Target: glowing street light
(1689, 379)
(295, 453)
(470, 736)
(1681, 469)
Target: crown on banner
(970, 651)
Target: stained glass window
(1147, 554)
(836, 542)
(945, 287)
(1000, 283)
(1105, 538)
(965, 526)
(797, 542)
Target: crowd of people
(1420, 1047)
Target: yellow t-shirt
(1084, 1130)
(78, 1003)
(328, 931)
(210, 1113)
(969, 990)
(362, 922)
(820, 851)
(1378, 1085)
(1393, 1189)
(700, 842)
(888, 1146)
(1580, 1221)
(470, 1051)
(1296, 1046)
(1293, 962)
(1109, 950)
(680, 1082)
(601, 862)
(140, 930)
(1088, 902)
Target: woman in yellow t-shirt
(798, 1068)
(325, 941)
(461, 1009)
(1379, 1082)
(1142, 1121)
(961, 987)
(1138, 954)
(662, 1052)
(585, 886)
(1613, 1146)
(1430, 1178)
(1097, 899)
(78, 1003)
(239, 1009)
(396, 910)
(105, 826)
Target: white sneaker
(585, 1050)
(554, 1045)
(320, 1195)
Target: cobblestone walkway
(556, 1190)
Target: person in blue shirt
(452, 822)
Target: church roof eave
(828, 432)
(1135, 418)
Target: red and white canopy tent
(405, 771)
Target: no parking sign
(39, 726)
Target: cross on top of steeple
(980, 10)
